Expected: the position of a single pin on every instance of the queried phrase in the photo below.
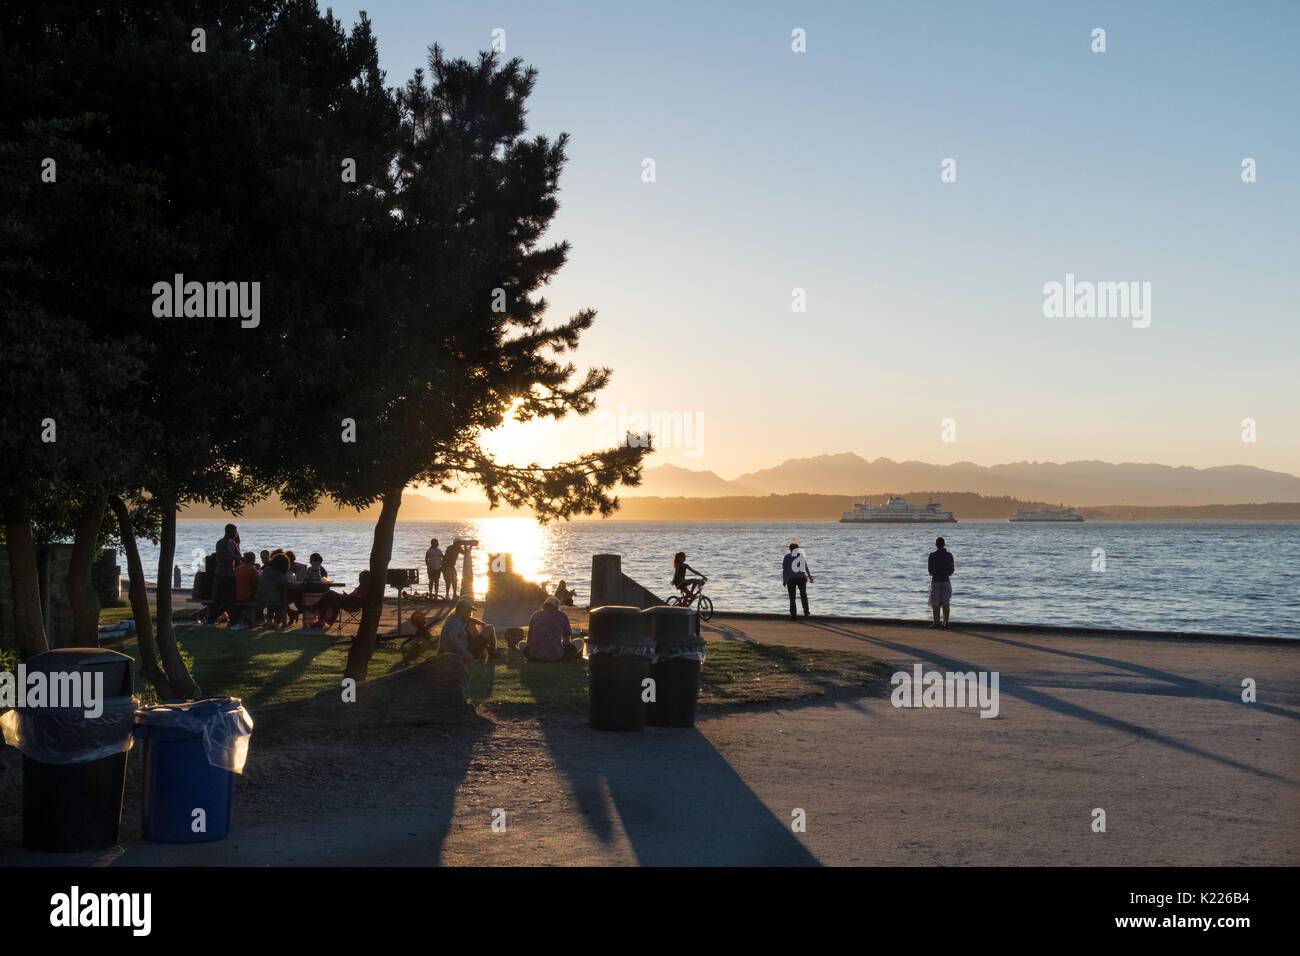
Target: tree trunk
(82, 598)
(381, 552)
(177, 673)
(29, 619)
(149, 665)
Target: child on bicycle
(688, 586)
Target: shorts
(940, 593)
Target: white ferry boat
(897, 511)
(1046, 514)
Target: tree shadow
(1020, 689)
(669, 790)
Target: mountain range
(1075, 483)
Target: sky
(923, 334)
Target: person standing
(228, 555)
(449, 569)
(941, 565)
(796, 575)
(433, 564)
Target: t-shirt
(941, 564)
(548, 629)
(228, 557)
(794, 567)
(245, 581)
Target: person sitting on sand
(550, 636)
(564, 595)
(328, 607)
(680, 581)
(941, 565)
(465, 636)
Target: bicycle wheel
(704, 608)
(672, 601)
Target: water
(1212, 577)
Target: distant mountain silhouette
(669, 481)
(1077, 483)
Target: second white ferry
(1046, 514)
(897, 511)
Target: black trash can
(620, 653)
(679, 654)
(74, 765)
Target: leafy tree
(449, 336)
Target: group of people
(796, 575)
(549, 638)
(250, 592)
(441, 567)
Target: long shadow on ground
(669, 790)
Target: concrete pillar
(606, 579)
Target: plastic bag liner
(620, 650)
(222, 722)
(680, 652)
(62, 735)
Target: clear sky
(820, 170)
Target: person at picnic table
(297, 570)
(228, 556)
(433, 564)
(328, 607)
(271, 589)
(316, 572)
(465, 636)
(550, 636)
(449, 568)
(564, 595)
(245, 586)
(680, 581)
(266, 559)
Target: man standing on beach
(796, 574)
(223, 586)
(941, 565)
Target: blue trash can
(191, 752)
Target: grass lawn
(264, 666)
(733, 674)
(261, 665)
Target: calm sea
(1214, 577)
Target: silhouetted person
(680, 581)
(465, 636)
(796, 574)
(223, 585)
(941, 565)
(549, 634)
(449, 568)
(433, 564)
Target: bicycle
(694, 595)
